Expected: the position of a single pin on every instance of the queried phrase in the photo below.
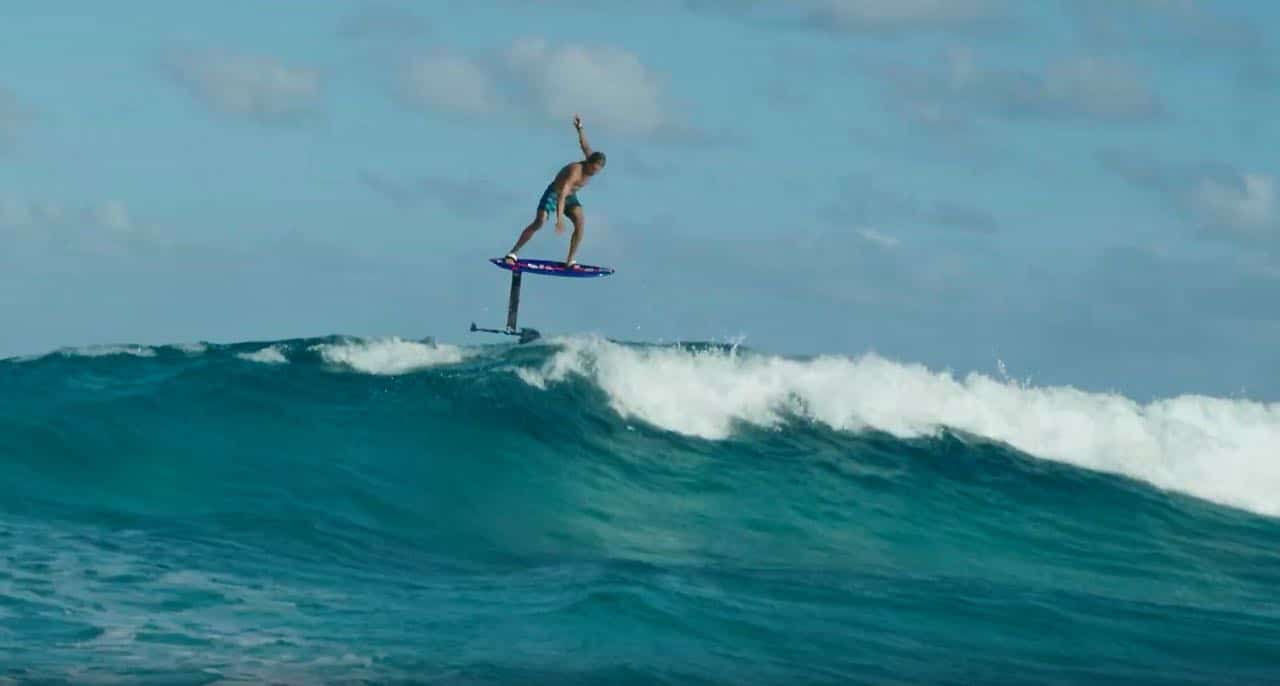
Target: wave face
(584, 511)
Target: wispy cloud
(880, 239)
(1177, 26)
(1085, 88)
(1211, 34)
(1220, 200)
(864, 200)
(1244, 204)
(43, 226)
(473, 198)
(254, 87)
(399, 193)
(454, 83)
(532, 78)
(1096, 88)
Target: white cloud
(610, 87)
(251, 86)
(1246, 204)
(451, 82)
(41, 225)
(1222, 201)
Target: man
(561, 198)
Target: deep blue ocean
(581, 511)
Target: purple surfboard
(551, 268)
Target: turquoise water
(583, 511)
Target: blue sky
(1085, 189)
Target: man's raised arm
(582, 137)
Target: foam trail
(388, 356)
(1217, 449)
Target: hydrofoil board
(551, 268)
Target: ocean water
(581, 511)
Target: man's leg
(579, 221)
(529, 230)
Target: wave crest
(388, 356)
(1217, 449)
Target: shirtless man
(561, 197)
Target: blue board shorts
(550, 198)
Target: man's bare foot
(510, 258)
(572, 264)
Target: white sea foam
(191, 348)
(106, 350)
(388, 355)
(273, 354)
(1218, 449)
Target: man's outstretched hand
(577, 122)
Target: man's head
(595, 162)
